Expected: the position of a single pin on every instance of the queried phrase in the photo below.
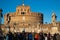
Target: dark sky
(44, 6)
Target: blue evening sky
(44, 6)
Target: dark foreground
(29, 36)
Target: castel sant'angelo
(24, 19)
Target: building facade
(24, 19)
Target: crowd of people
(29, 36)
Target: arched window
(24, 9)
(17, 10)
(21, 9)
(28, 10)
(22, 13)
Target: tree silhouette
(1, 16)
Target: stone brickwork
(24, 19)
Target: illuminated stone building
(24, 19)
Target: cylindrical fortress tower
(24, 17)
